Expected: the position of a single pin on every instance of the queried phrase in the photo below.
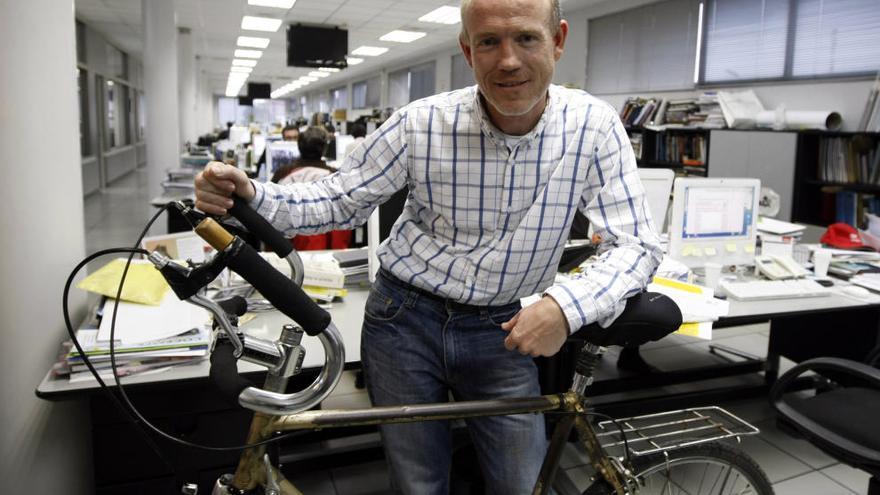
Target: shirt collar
(501, 138)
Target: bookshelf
(683, 149)
(837, 177)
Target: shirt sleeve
(614, 202)
(344, 199)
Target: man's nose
(509, 56)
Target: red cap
(842, 236)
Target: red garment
(336, 239)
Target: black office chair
(841, 417)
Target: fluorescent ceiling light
(278, 4)
(353, 60)
(400, 36)
(244, 63)
(251, 42)
(253, 23)
(248, 53)
(308, 79)
(369, 51)
(328, 69)
(317, 73)
(443, 15)
(242, 70)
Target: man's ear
(559, 39)
(466, 50)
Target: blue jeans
(419, 348)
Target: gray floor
(115, 217)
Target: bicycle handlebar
(260, 227)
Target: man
(494, 174)
(290, 133)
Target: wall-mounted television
(316, 46)
(259, 91)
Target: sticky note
(730, 247)
(686, 250)
(749, 248)
(697, 251)
(710, 251)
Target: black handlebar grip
(285, 295)
(235, 305)
(260, 227)
(224, 372)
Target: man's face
(512, 51)
(290, 135)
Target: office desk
(798, 331)
(182, 402)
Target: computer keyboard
(755, 290)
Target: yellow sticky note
(143, 283)
(750, 248)
(697, 251)
(701, 330)
(730, 247)
(686, 250)
(710, 251)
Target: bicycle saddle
(648, 316)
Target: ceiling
(215, 26)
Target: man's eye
(487, 42)
(527, 39)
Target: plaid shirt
(487, 213)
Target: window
(650, 48)
(116, 119)
(365, 94)
(833, 38)
(745, 40)
(410, 84)
(82, 86)
(339, 97)
(398, 88)
(790, 39)
(462, 75)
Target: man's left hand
(537, 330)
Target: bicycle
(670, 452)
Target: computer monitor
(279, 154)
(379, 227)
(259, 143)
(658, 185)
(239, 134)
(714, 220)
(342, 142)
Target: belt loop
(412, 296)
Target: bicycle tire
(685, 466)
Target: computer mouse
(856, 291)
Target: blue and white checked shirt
(487, 213)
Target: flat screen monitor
(316, 46)
(279, 154)
(714, 220)
(658, 186)
(259, 91)
(342, 142)
(239, 134)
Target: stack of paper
(698, 305)
(145, 338)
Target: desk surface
(347, 316)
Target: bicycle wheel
(705, 469)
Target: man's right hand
(216, 183)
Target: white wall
(44, 446)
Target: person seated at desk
(309, 167)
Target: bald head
(552, 19)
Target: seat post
(587, 360)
